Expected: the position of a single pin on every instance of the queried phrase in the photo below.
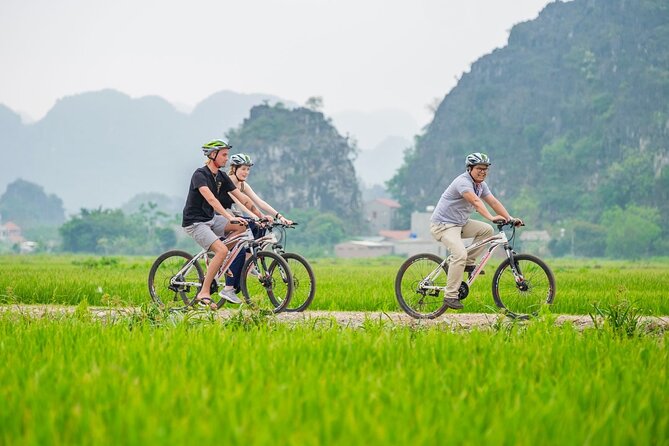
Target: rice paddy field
(343, 285)
(170, 378)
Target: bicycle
(521, 284)
(176, 276)
(304, 281)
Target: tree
(589, 239)
(95, 230)
(326, 229)
(629, 181)
(314, 103)
(631, 231)
(316, 232)
(165, 238)
(27, 205)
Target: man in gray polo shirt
(450, 221)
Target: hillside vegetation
(574, 113)
(302, 162)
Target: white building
(363, 248)
(380, 214)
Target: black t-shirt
(197, 209)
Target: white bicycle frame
(495, 241)
(242, 241)
(271, 241)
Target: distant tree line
(632, 232)
(148, 230)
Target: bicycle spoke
(535, 288)
(272, 289)
(410, 290)
(304, 283)
(169, 289)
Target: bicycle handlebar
(278, 223)
(269, 222)
(513, 223)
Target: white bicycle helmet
(476, 158)
(240, 159)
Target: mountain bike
(520, 286)
(304, 281)
(266, 283)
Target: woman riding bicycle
(451, 222)
(240, 167)
(205, 217)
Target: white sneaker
(230, 296)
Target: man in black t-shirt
(205, 217)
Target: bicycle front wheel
(304, 282)
(170, 289)
(411, 286)
(523, 296)
(266, 282)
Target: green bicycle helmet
(476, 158)
(240, 159)
(214, 146)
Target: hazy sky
(360, 55)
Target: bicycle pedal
(463, 291)
(470, 270)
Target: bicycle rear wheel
(304, 282)
(272, 288)
(169, 290)
(413, 297)
(524, 298)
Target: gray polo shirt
(452, 208)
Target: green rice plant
(82, 312)
(70, 381)
(622, 318)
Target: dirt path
(352, 319)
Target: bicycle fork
(515, 269)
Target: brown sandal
(206, 301)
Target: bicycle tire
(304, 282)
(420, 304)
(522, 300)
(161, 273)
(272, 289)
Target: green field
(152, 377)
(360, 285)
(70, 380)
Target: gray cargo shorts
(207, 232)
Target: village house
(363, 248)
(10, 233)
(418, 238)
(380, 214)
(390, 241)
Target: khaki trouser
(451, 236)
